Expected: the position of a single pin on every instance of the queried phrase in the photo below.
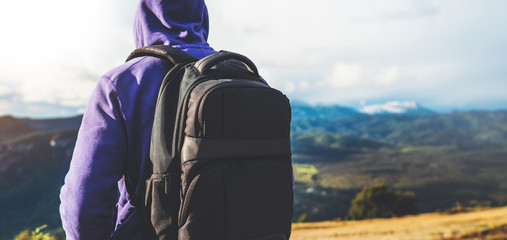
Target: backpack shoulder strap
(179, 59)
(164, 52)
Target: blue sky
(445, 55)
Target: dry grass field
(483, 224)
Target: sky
(444, 55)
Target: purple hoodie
(117, 125)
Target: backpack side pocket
(161, 203)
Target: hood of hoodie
(182, 24)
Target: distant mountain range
(54, 124)
(302, 110)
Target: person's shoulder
(135, 69)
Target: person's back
(117, 125)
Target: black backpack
(220, 149)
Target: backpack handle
(210, 61)
(164, 52)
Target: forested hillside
(33, 163)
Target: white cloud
(350, 75)
(387, 76)
(65, 85)
(344, 75)
(5, 107)
(5, 90)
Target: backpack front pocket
(241, 199)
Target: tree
(378, 202)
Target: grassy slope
(423, 226)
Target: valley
(447, 160)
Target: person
(117, 125)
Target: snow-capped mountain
(396, 107)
